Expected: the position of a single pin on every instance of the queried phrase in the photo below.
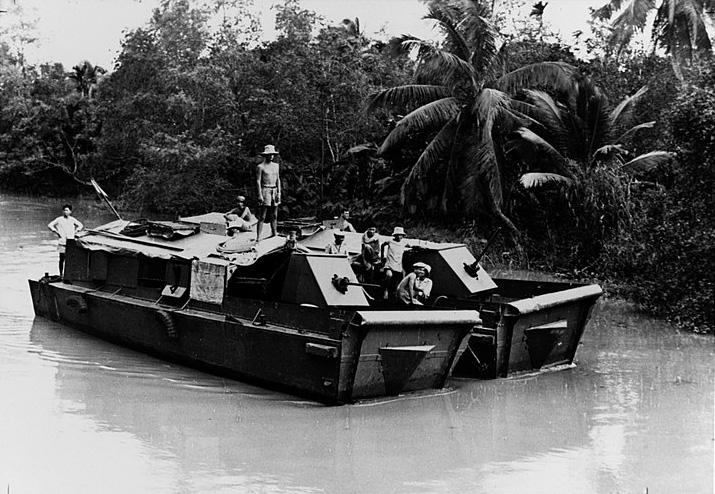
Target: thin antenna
(104, 197)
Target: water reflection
(80, 415)
(243, 434)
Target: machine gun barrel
(473, 269)
(342, 284)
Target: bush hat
(422, 265)
(269, 149)
(398, 231)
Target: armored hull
(265, 315)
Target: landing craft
(299, 321)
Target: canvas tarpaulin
(208, 281)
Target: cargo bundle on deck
(295, 319)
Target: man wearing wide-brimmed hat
(392, 252)
(269, 190)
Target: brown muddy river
(78, 415)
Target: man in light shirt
(392, 252)
(65, 227)
(338, 245)
(416, 287)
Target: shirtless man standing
(269, 190)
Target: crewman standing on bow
(269, 190)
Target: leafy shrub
(668, 260)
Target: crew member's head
(421, 269)
(269, 152)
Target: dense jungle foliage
(599, 169)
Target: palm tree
(466, 105)
(578, 181)
(678, 26)
(86, 77)
(567, 141)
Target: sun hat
(422, 265)
(234, 224)
(339, 233)
(398, 231)
(269, 149)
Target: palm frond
(550, 116)
(527, 113)
(635, 14)
(394, 46)
(606, 12)
(622, 114)
(541, 180)
(508, 120)
(429, 116)
(647, 162)
(623, 138)
(483, 39)
(409, 95)
(679, 27)
(557, 75)
(488, 103)
(530, 145)
(544, 104)
(464, 137)
(476, 178)
(415, 46)
(448, 18)
(435, 151)
(609, 150)
(701, 39)
(447, 64)
(476, 9)
(592, 107)
(631, 20)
